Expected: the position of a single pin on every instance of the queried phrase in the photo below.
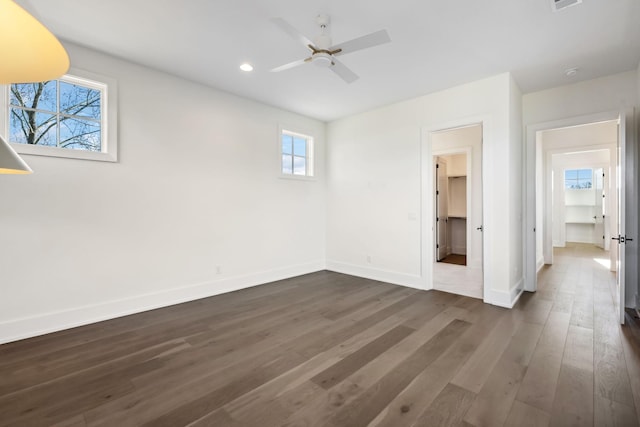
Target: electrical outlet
(368, 259)
(218, 269)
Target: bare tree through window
(56, 113)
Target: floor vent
(563, 4)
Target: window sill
(297, 177)
(40, 150)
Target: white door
(620, 186)
(598, 212)
(442, 209)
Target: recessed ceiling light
(246, 67)
(571, 72)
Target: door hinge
(437, 166)
(437, 246)
(437, 193)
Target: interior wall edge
(17, 329)
(505, 299)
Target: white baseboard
(402, 279)
(539, 264)
(503, 298)
(17, 329)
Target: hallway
(585, 369)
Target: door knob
(479, 228)
(620, 239)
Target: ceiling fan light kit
(323, 53)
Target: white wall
(377, 162)
(196, 187)
(575, 102)
(456, 164)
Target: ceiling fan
(323, 54)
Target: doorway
(457, 195)
(604, 131)
(451, 208)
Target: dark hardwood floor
(328, 349)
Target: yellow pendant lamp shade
(28, 51)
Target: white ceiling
(435, 44)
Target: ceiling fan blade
(343, 72)
(292, 31)
(290, 65)
(364, 42)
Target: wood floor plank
(448, 409)
(214, 400)
(523, 415)
(573, 405)
(582, 313)
(574, 396)
(477, 369)
(77, 421)
(539, 383)
(216, 419)
(610, 369)
(292, 392)
(322, 408)
(423, 390)
(367, 406)
(610, 413)
(347, 366)
(493, 403)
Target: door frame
(427, 190)
(530, 267)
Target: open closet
(457, 195)
(451, 205)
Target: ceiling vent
(557, 5)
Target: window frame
(108, 123)
(309, 153)
(578, 179)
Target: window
(578, 178)
(297, 154)
(67, 117)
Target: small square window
(578, 178)
(296, 152)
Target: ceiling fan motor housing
(322, 59)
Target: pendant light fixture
(30, 53)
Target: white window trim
(109, 128)
(310, 163)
